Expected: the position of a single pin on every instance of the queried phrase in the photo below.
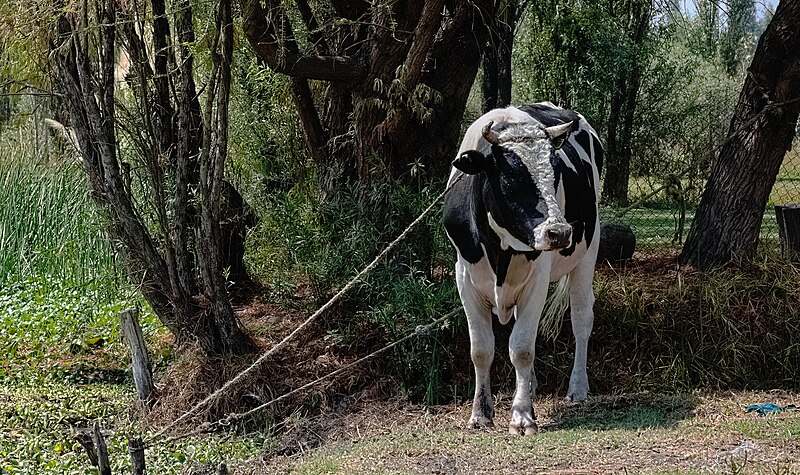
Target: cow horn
(489, 134)
(558, 131)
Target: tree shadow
(626, 412)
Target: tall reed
(49, 228)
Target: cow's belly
(519, 277)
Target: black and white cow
(524, 215)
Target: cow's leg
(581, 299)
(522, 348)
(479, 319)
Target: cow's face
(521, 170)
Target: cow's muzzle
(557, 236)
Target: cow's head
(521, 170)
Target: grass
(700, 435)
(63, 364)
(48, 226)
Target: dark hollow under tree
(728, 219)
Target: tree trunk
(622, 111)
(728, 219)
(167, 243)
(496, 84)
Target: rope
(247, 371)
(208, 427)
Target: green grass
(63, 364)
(48, 226)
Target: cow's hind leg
(581, 298)
(479, 319)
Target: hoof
(575, 399)
(479, 422)
(528, 430)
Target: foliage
(328, 243)
(49, 228)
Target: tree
(165, 205)
(397, 75)
(496, 83)
(635, 16)
(728, 219)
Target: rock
(617, 243)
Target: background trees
(155, 162)
(390, 71)
(763, 126)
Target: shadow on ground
(631, 412)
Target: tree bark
(163, 259)
(728, 219)
(496, 84)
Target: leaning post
(142, 376)
(788, 218)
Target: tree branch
(260, 30)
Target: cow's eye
(557, 143)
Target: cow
(524, 214)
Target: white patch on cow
(506, 239)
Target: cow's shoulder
(459, 213)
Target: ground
(653, 433)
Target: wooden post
(102, 451)
(84, 437)
(142, 377)
(788, 217)
(136, 449)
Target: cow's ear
(472, 162)
(559, 133)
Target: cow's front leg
(479, 319)
(521, 348)
(482, 353)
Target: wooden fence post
(102, 451)
(142, 376)
(788, 218)
(136, 449)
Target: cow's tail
(554, 309)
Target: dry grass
(697, 432)
(312, 354)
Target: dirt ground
(652, 433)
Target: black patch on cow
(468, 203)
(580, 208)
(598, 154)
(548, 116)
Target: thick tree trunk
(496, 84)
(728, 220)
